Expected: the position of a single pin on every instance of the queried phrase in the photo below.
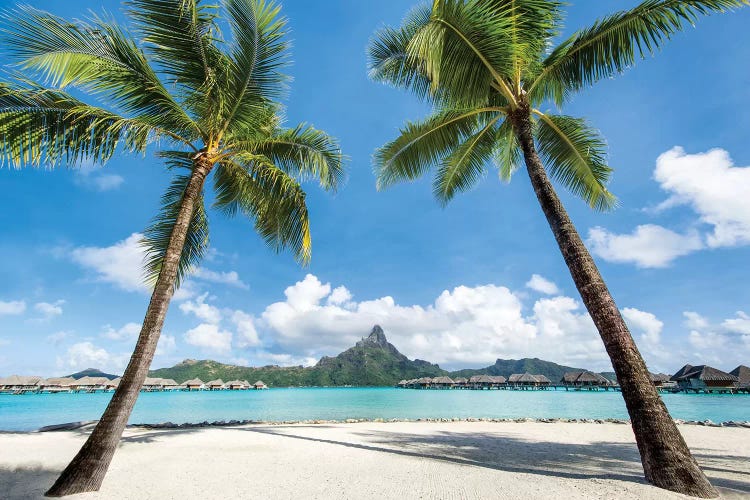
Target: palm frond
(39, 126)
(257, 56)
(98, 57)
(576, 157)
(303, 152)
(389, 60)
(614, 43)
(507, 153)
(268, 196)
(182, 38)
(424, 144)
(156, 237)
(465, 166)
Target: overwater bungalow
(236, 385)
(215, 385)
(56, 384)
(482, 382)
(402, 384)
(195, 384)
(152, 384)
(19, 384)
(260, 385)
(461, 382)
(90, 384)
(704, 378)
(114, 383)
(527, 381)
(585, 380)
(742, 373)
(662, 380)
(442, 383)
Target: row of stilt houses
(16, 384)
(689, 378)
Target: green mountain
(373, 361)
(506, 367)
(92, 372)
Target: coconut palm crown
(482, 62)
(207, 104)
(184, 90)
(488, 67)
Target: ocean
(32, 411)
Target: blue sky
(452, 285)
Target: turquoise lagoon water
(31, 411)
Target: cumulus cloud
(542, 285)
(710, 184)
(724, 344)
(649, 245)
(58, 338)
(120, 264)
(87, 355)
(13, 307)
(230, 278)
(210, 338)
(90, 176)
(129, 331)
(167, 345)
(202, 310)
(49, 310)
(465, 326)
(648, 323)
(247, 335)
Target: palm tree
(208, 105)
(488, 66)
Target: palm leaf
(157, 236)
(39, 126)
(507, 153)
(302, 152)
(424, 144)
(268, 196)
(576, 157)
(614, 43)
(98, 57)
(465, 166)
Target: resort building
(704, 378)
(90, 384)
(236, 385)
(259, 385)
(18, 384)
(114, 383)
(586, 380)
(195, 384)
(443, 383)
(56, 384)
(742, 373)
(528, 381)
(215, 385)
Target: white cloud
(713, 187)
(210, 337)
(464, 326)
(724, 345)
(12, 307)
(740, 324)
(203, 311)
(58, 338)
(90, 176)
(120, 264)
(129, 331)
(230, 278)
(49, 310)
(339, 296)
(247, 335)
(649, 245)
(542, 285)
(648, 323)
(167, 345)
(87, 355)
(695, 321)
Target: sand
(405, 460)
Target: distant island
(373, 361)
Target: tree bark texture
(667, 461)
(87, 470)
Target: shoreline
(68, 426)
(477, 459)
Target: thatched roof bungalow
(585, 379)
(742, 373)
(236, 385)
(215, 385)
(259, 385)
(443, 382)
(90, 384)
(56, 384)
(461, 380)
(16, 383)
(195, 384)
(708, 379)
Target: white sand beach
(405, 460)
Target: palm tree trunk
(86, 471)
(667, 461)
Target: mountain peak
(376, 337)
